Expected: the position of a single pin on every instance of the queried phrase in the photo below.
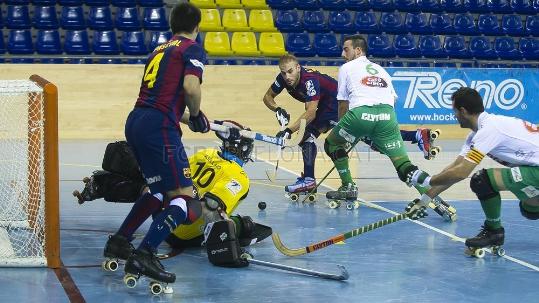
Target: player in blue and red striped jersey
(171, 82)
(319, 93)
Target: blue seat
(441, 23)
(417, 23)
(300, 45)
(280, 4)
(522, 6)
(499, 6)
(332, 5)
(464, 24)
(340, 22)
(505, 48)
(380, 46)
(20, 42)
(70, 2)
(481, 48)
(488, 25)
(455, 47)
(288, 21)
(72, 17)
(17, 2)
(431, 47)
(124, 3)
(104, 43)
(357, 5)
(429, 5)
(133, 43)
(365, 22)
(151, 3)
(1, 19)
(392, 22)
(532, 25)
(18, 17)
(76, 42)
(326, 45)
(314, 22)
(2, 45)
(405, 46)
(48, 42)
(512, 25)
(100, 18)
(475, 6)
(157, 38)
(127, 19)
(97, 2)
(382, 5)
(44, 2)
(529, 47)
(306, 4)
(155, 18)
(45, 17)
(453, 6)
(406, 5)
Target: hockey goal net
(29, 176)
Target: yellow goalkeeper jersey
(223, 178)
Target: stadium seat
(441, 23)
(203, 3)
(512, 25)
(417, 23)
(97, 2)
(45, 17)
(406, 5)
(17, 2)
(332, 5)
(44, 2)
(429, 5)
(2, 45)
(499, 6)
(452, 6)
(151, 3)
(356, 5)
(326, 45)
(455, 47)
(431, 47)
(217, 44)
(159, 37)
(405, 46)
(261, 20)
(18, 17)
(464, 24)
(235, 20)
(505, 48)
(532, 25)
(380, 46)
(300, 45)
(271, 44)
(306, 4)
(340, 22)
(105, 43)
(133, 43)
(288, 21)
(475, 6)
(365, 22)
(72, 17)
(392, 22)
(123, 3)
(254, 4)
(488, 25)
(314, 22)
(280, 4)
(211, 20)
(529, 47)
(1, 19)
(48, 42)
(382, 5)
(155, 18)
(228, 3)
(76, 42)
(244, 44)
(127, 19)
(481, 48)
(100, 18)
(20, 42)
(522, 6)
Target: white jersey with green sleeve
(507, 140)
(362, 82)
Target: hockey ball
(262, 205)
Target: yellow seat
(203, 3)
(272, 44)
(254, 4)
(235, 20)
(261, 20)
(217, 44)
(211, 20)
(244, 44)
(229, 3)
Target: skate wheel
(156, 288)
(246, 256)
(435, 134)
(453, 217)
(311, 198)
(356, 204)
(86, 180)
(76, 193)
(349, 206)
(294, 197)
(333, 204)
(479, 253)
(500, 252)
(130, 281)
(435, 151)
(110, 265)
(168, 290)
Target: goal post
(29, 173)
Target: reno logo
(374, 81)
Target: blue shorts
(157, 145)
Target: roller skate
(145, 263)
(346, 194)
(444, 209)
(117, 248)
(487, 237)
(425, 139)
(303, 186)
(90, 191)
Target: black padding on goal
(119, 159)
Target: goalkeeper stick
(272, 173)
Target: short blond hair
(287, 58)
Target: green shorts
(522, 181)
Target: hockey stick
(265, 138)
(272, 173)
(294, 252)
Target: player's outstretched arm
(269, 99)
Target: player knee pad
(222, 245)
(335, 152)
(405, 169)
(481, 186)
(530, 214)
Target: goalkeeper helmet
(242, 147)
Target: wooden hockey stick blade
(341, 276)
(294, 252)
(298, 136)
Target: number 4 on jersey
(151, 71)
